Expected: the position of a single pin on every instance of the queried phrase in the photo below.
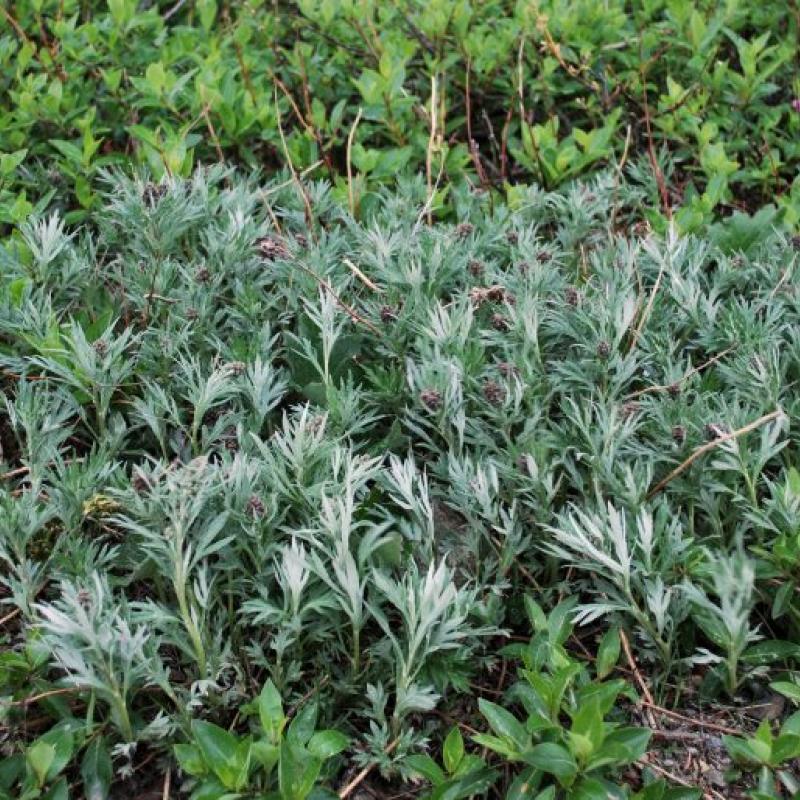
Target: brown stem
(213, 133)
(359, 779)
(693, 371)
(626, 646)
(350, 137)
(346, 308)
(710, 446)
(698, 723)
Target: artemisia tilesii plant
(247, 439)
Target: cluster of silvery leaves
(251, 439)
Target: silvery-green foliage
(409, 490)
(336, 453)
(635, 563)
(434, 614)
(24, 572)
(93, 642)
(176, 529)
(724, 611)
(40, 416)
(98, 369)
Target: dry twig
(698, 723)
(359, 779)
(710, 446)
(689, 374)
(351, 312)
(350, 137)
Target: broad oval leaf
(504, 723)
(325, 744)
(553, 759)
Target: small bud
(572, 296)
(100, 347)
(316, 424)
(508, 370)
(499, 323)
(494, 392)
(522, 464)
(236, 368)
(139, 483)
(715, 430)
(603, 350)
(512, 237)
(192, 314)
(464, 229)
(496, 294)
(255, 507)
(84, 597)
(544, 256)
(203, 275)
(475, 268)
(674, 390)
(630, 409)
(678, 434)
(271, 247)
(152, 193)
(431, 398)
(795, 242)
(388, 314)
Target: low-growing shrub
(700, 99)
(248, 439)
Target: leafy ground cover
(702, 96)
(294, 505)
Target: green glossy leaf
(771, 651)
(223, 753)
(525, 784)
(554, 760)
(608, 653)
(453, 750)
(427, 767)
(40, 756)
(784, 748)
(465, 786)
(504, 724)
(190, 759)
(96, 770)
(326, 744)
(270, 711)
(302, 726)
(297, 771)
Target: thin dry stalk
(667, 386)
(648, 308)
(8, 617)
(295, 177)
(431, 145)
(697, 723)
(351, 312)
(710, 446)
(626, 646)
(361, 276)
(350, 137)
(213, 134)
(359, 779)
